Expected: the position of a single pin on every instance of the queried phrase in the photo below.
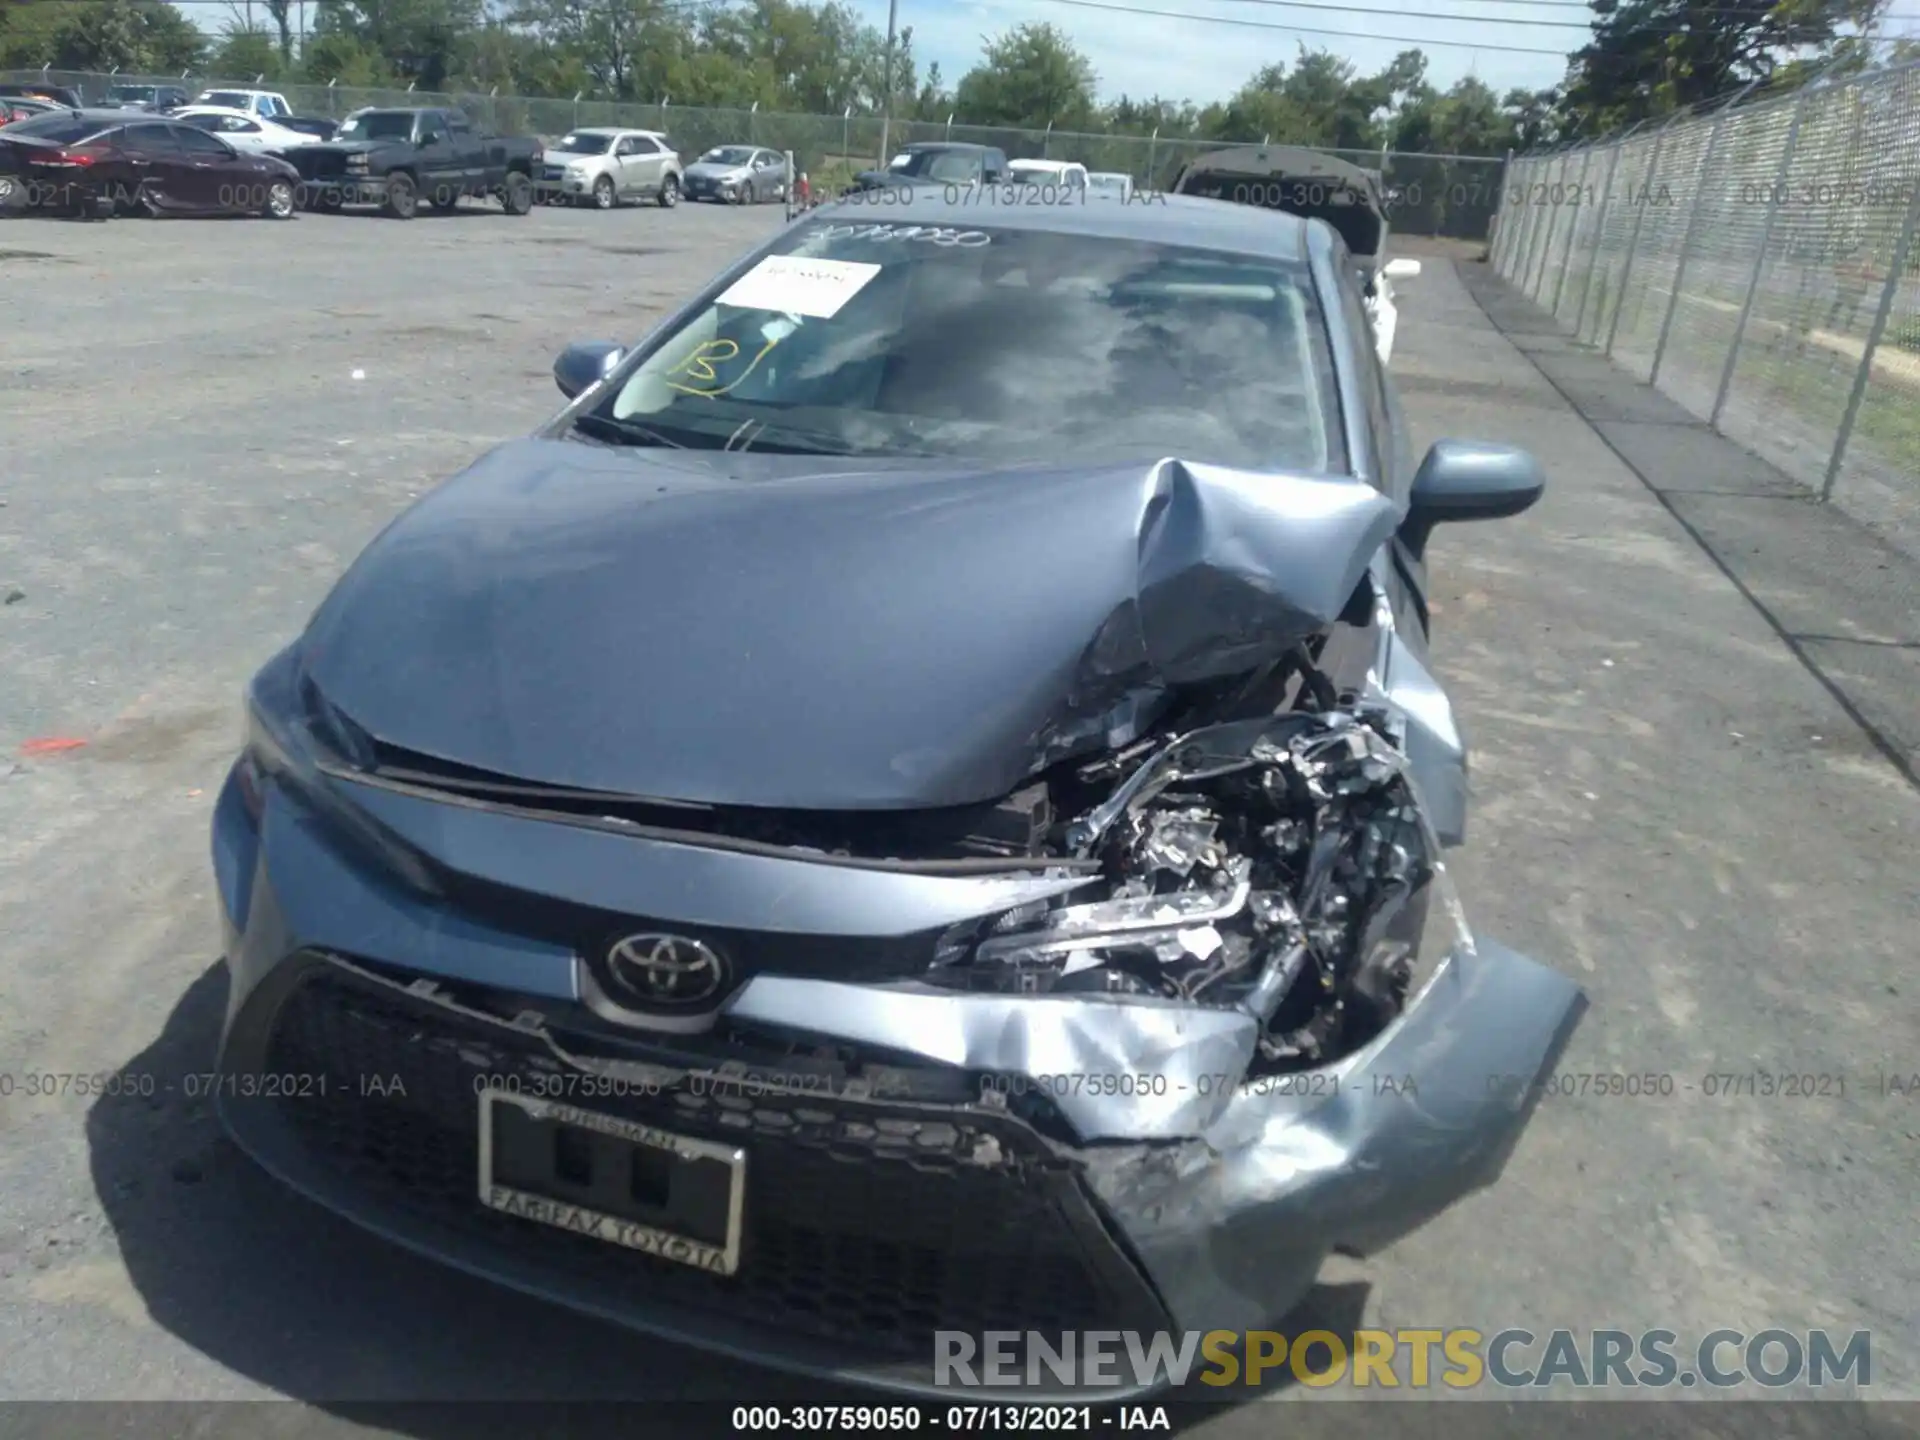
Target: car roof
(946, 145)
(105, 116)
(616, 130)
(1186, 220)
(234, 111)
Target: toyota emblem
(666, 969)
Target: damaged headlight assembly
(1279, 867)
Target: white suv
(1061, 174)
(605, 165)
(267, 104)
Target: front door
(441, 174)
(211, 181)
(470, 153)
(157, 163)
(640, 169)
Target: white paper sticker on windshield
(795, 285)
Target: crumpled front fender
(1350, 1159)
(1231, 1194)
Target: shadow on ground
(281, 1292)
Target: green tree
(1261, 109)
(344, 59)
(245, 52)
(1468, 120)
(140, 36)
(1650, 57)
(419, 40)
(1032, 76)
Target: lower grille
(867, 1226)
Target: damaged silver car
(916, 804)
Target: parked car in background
(161, 98)
(400, 158)
(604, 165)
(243, 131)
(318, 126)
(61, 95)
(738, 175)
(1063, 175)
(94, 164)
(1109, 185)
(1314, 186)
(18, 107)
(938, 162)
(268, 104)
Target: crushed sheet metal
(1050, 1040)
(1292, 1177)
(1077, 597)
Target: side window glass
(199, 143)
(154, 140)
(1365, 357)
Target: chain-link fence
(1454, 196)
(1757, 263)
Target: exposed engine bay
(1278, 866)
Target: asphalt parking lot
(202, 422)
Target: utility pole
(886, 99)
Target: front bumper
(554, 183)
(873, 1218)
(346, 189)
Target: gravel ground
(203, 421)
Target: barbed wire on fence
(1448, 196)
(1755, 260)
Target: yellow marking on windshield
(700, 364)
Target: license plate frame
(622, 1231)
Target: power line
(1308, 30)
(1716, 10)
(1586, 25)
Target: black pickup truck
(399, 159)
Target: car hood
(788, 632)
(353, 147)
(713, 170)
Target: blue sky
(1180, 59)
(1194, 60)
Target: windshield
(201, 122)
(1113, 184)
(728, 155)
(378, 125)
(996, 346)
(137, 93)
(585, 144)
(949, 167)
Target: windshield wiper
(624, 432)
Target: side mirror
(584, 365)
(1468, 480)
(1402, 269)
